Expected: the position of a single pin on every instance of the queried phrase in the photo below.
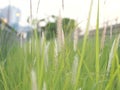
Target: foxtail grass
(58, 64)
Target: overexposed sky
(77, 9)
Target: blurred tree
(50, 29)
(68, 25)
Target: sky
(76, 9)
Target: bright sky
(77, 9)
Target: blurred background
(18, 13)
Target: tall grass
(39, 65)
(97, 46)
(83, 48)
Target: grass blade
(83, 48)
(97, 45)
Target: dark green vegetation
(8, 39)
(51, 28)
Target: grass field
(38, 65)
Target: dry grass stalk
(74, 68)
(56, 53)
(42, 39)
(60, 34)
(63, 4)
(30, 12)
(44, 86)
(111, 27)
(46, 55)
(103, 35)
(75, 39)
(112, 53)
(33, 79)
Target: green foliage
(16, 73)
(68, 25)
(51, 30)
(7, 41)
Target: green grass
(15, 74)
(39, 66)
